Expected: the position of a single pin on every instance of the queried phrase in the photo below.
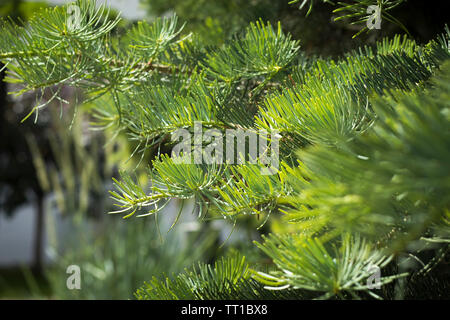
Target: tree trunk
(39, 232)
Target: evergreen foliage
(357, 12)
(364, 149)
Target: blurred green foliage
(117, 257)
(216, 21)
(114, 257)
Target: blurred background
(55, 174)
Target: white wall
(130, 9)
(17, 235)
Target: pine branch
(306, 263)
(229, 279)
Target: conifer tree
(358, 147)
